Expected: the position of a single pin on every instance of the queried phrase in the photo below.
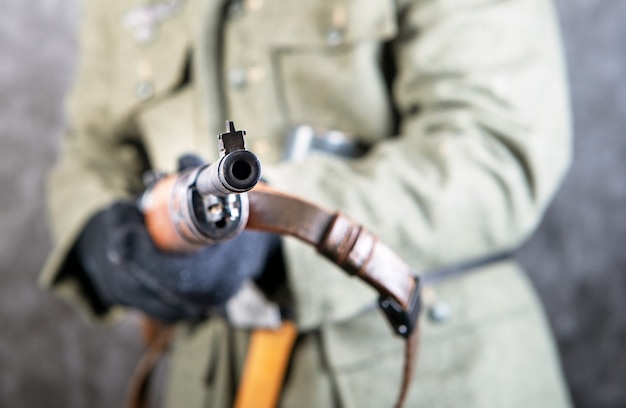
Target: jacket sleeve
(484, 142)
(100, 161)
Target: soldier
(441, 126)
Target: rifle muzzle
(236, 172)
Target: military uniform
(464, 107)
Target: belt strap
(456, 270)
(355, 250)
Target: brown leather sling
(356, 250)
(347, 244)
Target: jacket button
(334, 36)
(242, 77)
(144, 90)
(238, 78)
(439, 312)
(254, 5)
(339, 20)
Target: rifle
(212, 203)
(204, 204)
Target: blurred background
(50, 356)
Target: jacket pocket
(151, 54)
(326, 24)
(327, 64)
(169, 128)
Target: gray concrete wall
(577, 258)
(50, 356)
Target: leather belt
(305, 140)
(456, 270)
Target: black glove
(125, 267)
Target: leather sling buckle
(402, 320)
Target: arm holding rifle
(161, 262)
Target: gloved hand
(125, 267)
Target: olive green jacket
(465, 107)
